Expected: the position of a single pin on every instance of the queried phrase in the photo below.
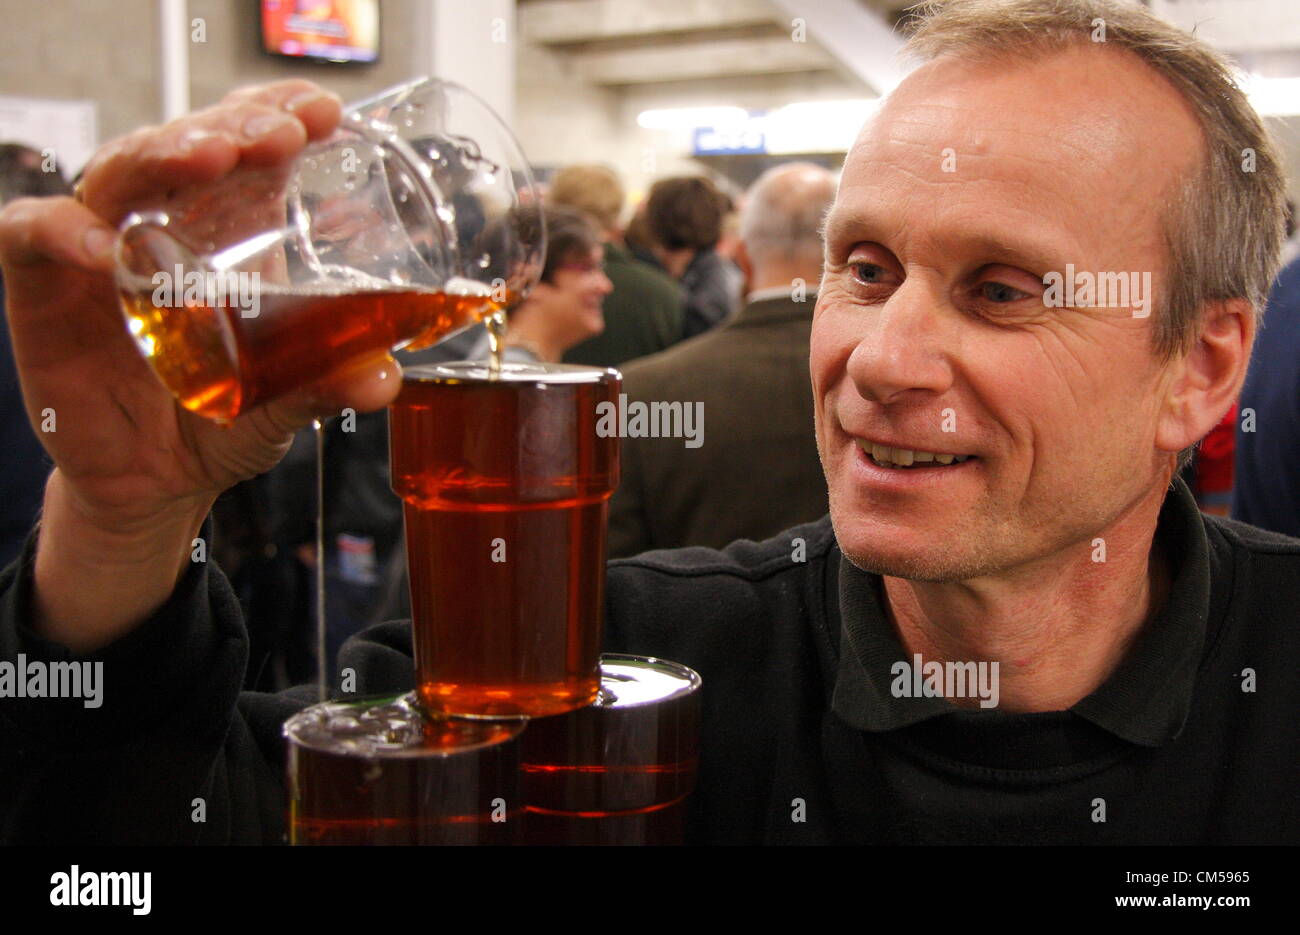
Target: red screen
(336, 30)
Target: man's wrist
(95, 580)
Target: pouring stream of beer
(496, 329)
(322, 662)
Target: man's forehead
(1092, 114)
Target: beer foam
(474, 371)
(340, 280)
(458, 285)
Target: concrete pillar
(474, 44)
(174, 58)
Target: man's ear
(1208, 378)
(743, 261)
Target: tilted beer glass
(416, 218)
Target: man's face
(973, 182)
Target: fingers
(53, 230)
(256, 126)
(202, 147)
(257, 440)
(317, 109)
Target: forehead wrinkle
(907, 125)
(1026, 171)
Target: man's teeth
(885, 456)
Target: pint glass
(383, 772)
(506, 484)
(618, 771)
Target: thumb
(257, 440)
(365, 384)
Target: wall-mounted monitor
(345, 31)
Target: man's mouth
(908, 459)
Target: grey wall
(108, 51)
(101, 51)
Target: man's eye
(867, 272)
(1000, 292)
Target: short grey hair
(783, 212)
(1225, 227)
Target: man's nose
(901, 349)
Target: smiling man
(999, 447)
(1011, 628)
(1060, 426)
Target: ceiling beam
(698, 60)
(858, 39)
(567, 22)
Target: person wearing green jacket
(643, 315)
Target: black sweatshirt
(1194, 739)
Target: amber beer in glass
(620, 770)
(384, 772)
(219, 363)
(416, 217)
(506, 485)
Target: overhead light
(817, 126)
(854, 111)
(686, 118)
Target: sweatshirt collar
(1146, 699)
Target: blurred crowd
(697, 296)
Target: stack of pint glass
(519, 731)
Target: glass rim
(693, 681)
(295, 723)
(478, 371)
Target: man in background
(683, 217)
(756, 470)
(643, 313)
(1266, 486)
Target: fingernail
(374, 364)
(265, 124)
(96, 242)
(305, 98)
